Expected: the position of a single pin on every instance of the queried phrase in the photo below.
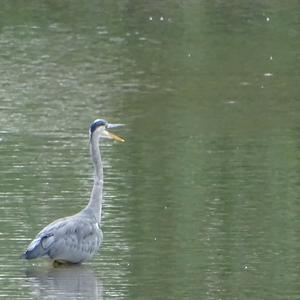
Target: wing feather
(72, 239)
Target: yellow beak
(114, 136)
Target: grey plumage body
(72, 239)
(76, 238)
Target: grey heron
(77, 238)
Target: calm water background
(202, 201)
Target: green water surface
(202, 201)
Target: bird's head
(99, 128)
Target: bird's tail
(38, 247)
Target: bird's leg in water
(61, 263)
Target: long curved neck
(95, 203)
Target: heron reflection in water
(64, 283)
(77, 238)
